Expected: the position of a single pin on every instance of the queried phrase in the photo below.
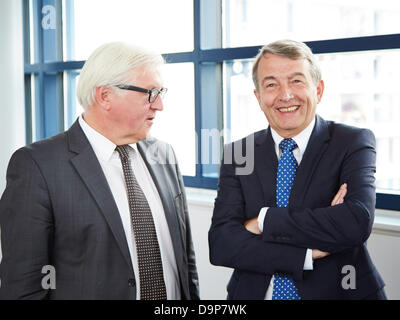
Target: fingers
(252, 226)
(343, 192)
(318, 254)
(339, 197)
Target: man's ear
(103, 97)
(257, 94)
(320, 90)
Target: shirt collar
(301, 139)
(102, 146)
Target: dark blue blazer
(335, 154)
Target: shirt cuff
(261, 217)
(308, 263)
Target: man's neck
(101, 126)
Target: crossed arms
(288, 232)
(252, 226)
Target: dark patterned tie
(152, 285)
(284, 287)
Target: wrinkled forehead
(272, 64)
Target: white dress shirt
(112, 168)
(301, 140)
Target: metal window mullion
(39, 77)
(59, 30)
(60, 57)
(208, 34)
(38, 36)
(198, 113)
(28, 109)
(51, 103)
(60, 101)
(40, 106)
(197, 84)
(26, 28)
(70, 29)
(27, 78)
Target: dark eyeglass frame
(153, 93)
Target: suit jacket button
(131, 282)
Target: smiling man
(100, 203)
(288, 93)
(293, 226)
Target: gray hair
(290, 49)
(110, 65)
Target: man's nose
(158, 104)
(285, 93)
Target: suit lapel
(155, 163)
(315, 149)
(266, 166)
(89, 169)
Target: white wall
(12, 110)
(213, 280)
(383, 245)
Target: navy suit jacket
(335, 154)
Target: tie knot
(123, 152)
(287, 145)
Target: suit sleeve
(335, 228)
(193, 276)
(231, 245)
(26, 230)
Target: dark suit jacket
(58, 210)
(335, 154)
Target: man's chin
(290, 130)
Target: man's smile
(288, 109)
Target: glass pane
(147, 23)
(259, 22)
(361, 89)
(176, 124)
(73, 109)
(242, 114)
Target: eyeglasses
(153, 93)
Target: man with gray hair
(296, 227)
(99, 211)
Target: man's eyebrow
(268, 78)
(295, 74)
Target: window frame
(208, 53)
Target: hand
(339, 197)
(318, 254)
(252, 226)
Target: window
(209, 46)
(360, 90)
(149, 23)
(179, 112)
(250, 21)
